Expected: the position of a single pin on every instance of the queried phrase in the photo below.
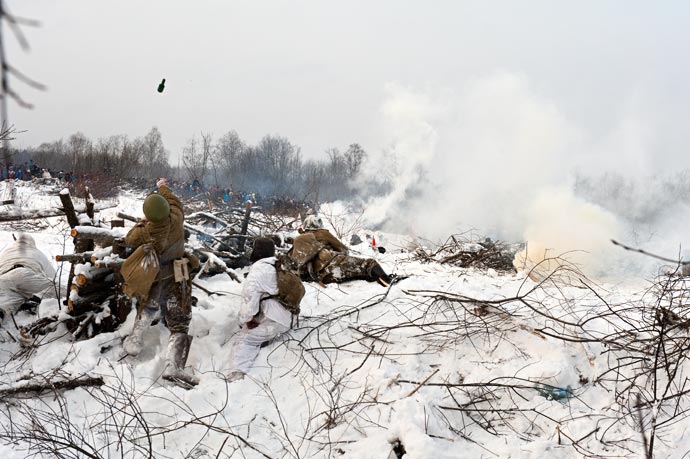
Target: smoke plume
(498, 158)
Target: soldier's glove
(252, 324)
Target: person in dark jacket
(171, 293)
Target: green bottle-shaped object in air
(161, 86)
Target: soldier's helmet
(312, 222)
(156, 208)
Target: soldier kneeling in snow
(171, 292)
(321, 257)
(26, 275)
(262, 314)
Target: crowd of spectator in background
(183, 188)
(224, 196)
(29, 170)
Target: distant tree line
(274, 166)
(116, 156)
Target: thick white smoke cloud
(498, 158)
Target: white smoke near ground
(561, 225)
(500, 159)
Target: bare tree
(195, 156)
(153, 154)
(5, 69)
(78, 148)
(354, 157)
(280, 161)
(228, 156)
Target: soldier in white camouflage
(26, 275)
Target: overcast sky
(317, 72)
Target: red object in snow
(373, 241)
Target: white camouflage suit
(261, 282)
(25, 271)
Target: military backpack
(139, 271)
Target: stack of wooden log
(94, 300)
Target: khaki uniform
(320, 256)
(174, 298)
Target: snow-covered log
(74, 257)
(100, 236)
(68, 208)
(125, 216)
(93, 276)
(110, 262)
(209, 216)
(19, 215)
(50, 386)
(245, 224)
(85, 299)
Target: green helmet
(156, 208)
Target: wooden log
(245, 224)
(94, 276)
(110, 263)
(97, 207)
(68, 208)
(31, 215)
(42, 326)
(83, 325)
(127, 217)
(209, 216)
(212, 262)
(221, 253)
(119, 247)
(203, 233)
(90, 203)
(74, 257)
(80, 245)
(50, 386)
(87, 301)
(98, 277)
(89, 209)
(20, 215)
(103, 237)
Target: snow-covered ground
(419, 364)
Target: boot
(135, 341)
(379, 275)
(178, 350)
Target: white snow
(347, 381)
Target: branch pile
(463, 252)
